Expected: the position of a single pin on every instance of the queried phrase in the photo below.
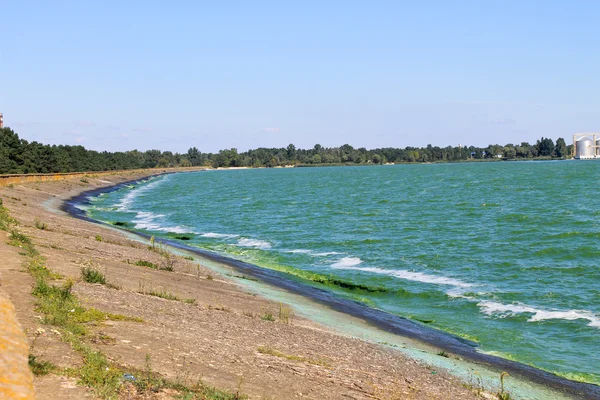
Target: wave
(326, 253)
(504, 310)
(347, 263)
(256, 243)
(127, 200)
(299, 251)
(93, 199)
(312, 253)
(218, 235)
(125, 203)
(146, 220)
(458, 292)
(403, 274)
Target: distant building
(1, 121)
(586, 145)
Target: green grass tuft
(97, 373)
(147, 382)
(286, 314)
(40, 368)
(62, 309)
(35, 266)
(92, 275)
(267, 316)
(40, 225)
(143, 263)
(163, 294)
(6, 221)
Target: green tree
(194, 157)
(291, 152)
(509, 151)
(560, 149)
(545, 146)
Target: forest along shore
(111, 317)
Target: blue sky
(170, 75)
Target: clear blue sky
(117, 75)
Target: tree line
(18, 156)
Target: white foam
(492, 307)
(218, 235)
(148, 215)
(127, 200)
(176, 229)
(256, 243)
(303, 251)
(407, 275)
(347, 262)
(147, 220)
(93, 199)
(458, 292)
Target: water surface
(504, 254)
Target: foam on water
(458, 292)
(326, 253)
(147, 220)
(349, 262)
(218, 235)
(127, 200)
(504, 310)
(176, 229)
(256, 243)
(312, 253)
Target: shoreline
(175, 320)
(390, 323)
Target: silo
(584, 148)
(598, 148)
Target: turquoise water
(505, 254)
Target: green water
(505, 254)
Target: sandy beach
(185, 320)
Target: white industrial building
(586, 145)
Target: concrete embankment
(16, 380)
(17, 179)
